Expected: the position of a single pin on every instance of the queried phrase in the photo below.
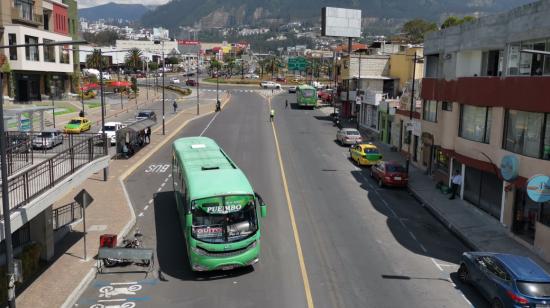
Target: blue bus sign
(538, 188)
(509, 166)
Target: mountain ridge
(111, 10)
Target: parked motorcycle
(134, 242)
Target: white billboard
(341, 22)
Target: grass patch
(93, 105)
(233, 81)
(68, 109)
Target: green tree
(102, 38)
(172, 60)
(95, 60)
(455, 21)
(133, 59)
(215, 65)
(230, 64)
(415, 30)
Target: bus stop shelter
(131, 138)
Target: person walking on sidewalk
(271, 115)
(456, 182)
(175, 105)
(286, 103)
(148, 135)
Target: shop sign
(538, 188)
(509, 166)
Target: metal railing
(66, 215)
(18, 151)
(29, 184)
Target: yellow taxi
(78, 125)
(365, 154)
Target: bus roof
(208, 170)
(305, 87)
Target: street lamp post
(163, 73)
(52, 88)
(81, 94)
(413, 103)
(102, 100)
(217, 83)
(198, 72)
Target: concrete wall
(468, 63)
(493, 32)
(401, 66)
(371, 66)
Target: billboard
(188, 42)
(340, 22)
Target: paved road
(362, 246)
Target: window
(447, 106)
(429, 111)
(25, 8)
(528, 64)
(527, 133)
(31, 52)
(491, 63)
(13, 50)
(49, 51)
(64, 54)
(513, 59)
(475, 123)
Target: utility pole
(81, 94)
(357, 93)
(102, 99)
(198, 72)
(163, 73)
(413, 103)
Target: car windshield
(45, 134)
(110, 128)
(535, 289)
(371, 151)
(308, 93)
(75, 121)
(394, 168)
(224, 219)
(143, 115)
(352, 133)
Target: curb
(85, 282)
(442, 219)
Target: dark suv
(146, 114)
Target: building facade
(39, 70)
(484, 102)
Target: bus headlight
(198, 251)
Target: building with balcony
(484, 98)
(40, 70)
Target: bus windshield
(308, 93)
(224, 219)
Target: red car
(325, 95)
(280, 79)
(389, 173)
(191, 83)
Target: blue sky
(89, 3)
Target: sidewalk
(60, 283)
(477, 229)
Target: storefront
(440, 168)
(427, 151)
(484, 190)
(27, 87)
(384, 122)
(531, 206)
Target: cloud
(89, 3)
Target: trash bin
(107, 240)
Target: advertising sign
(340, 22)
(25, 125)
(538, 188)
(509, 166)
(188, 42)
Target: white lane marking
(162, 185)
(166, 180)
(464, 297)
(140, 214)
(112, 300)
(145, 208)
(160, 188)
(436, 264)
(150, 201)
(169, 176)
(207, 126)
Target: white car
(175, 80)
(110, 130)
(270, 85)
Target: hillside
(218, 13)
(131, 12)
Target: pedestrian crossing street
(265, 92)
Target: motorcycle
(128, 243)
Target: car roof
(349, 130)
(113, 123)
(145, 111)
(78, 118)
(368, 145)
(523, 268)
(50, 130)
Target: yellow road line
(303, 270)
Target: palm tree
(230, 64)
(133, 58)
(215, 65)
(95, 60)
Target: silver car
(348, 136)
(47, 139)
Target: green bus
(306, 96)
(217, 206)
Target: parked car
(389, 173)
(175, 80)
(251, 76)
(106, 76)
(325, 95)
(292, 89)
(47, 139)
(191, 83)
(78, 125)
(506, 280)
(140, 75)
(280, 79)
(110, 130)
(317, 85)
(146, 114)
(365, 154)
(270, 85)
(348, 136)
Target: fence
(18, 151)
(31, 183)
(66, 214)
